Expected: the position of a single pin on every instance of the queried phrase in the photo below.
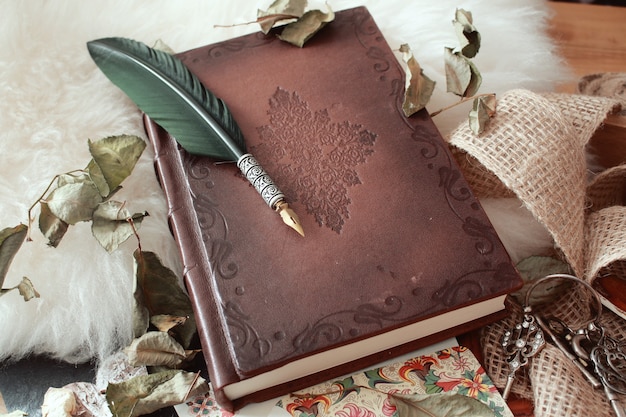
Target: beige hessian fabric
(534, 149)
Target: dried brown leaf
(27, 289)
(59, 402)
(462, 76)
(166, 322)
(483, 109)
(116, 157)
(280, 11)
(112, 226)
(155, 349)
(145, 394)
(96, 175)
(536, 267)
(419, 88)
(447, 404)
(51, 226)
(159, 292)
(303, 29)
(73, 202)
(11, 239)
(469, 37)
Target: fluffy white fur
(53, 98)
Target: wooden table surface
(591, 38)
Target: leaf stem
(279, 16)
(463, 100)
(131, 221)
(191, 386)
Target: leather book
(398, 252)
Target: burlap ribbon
(535, 149)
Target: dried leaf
(145, 394)
(51, 226)
(166, 322)
(419, 88)
(483, 109)
(536, 267)
(280, 11)
(96, 175)
(111, 224)
(27, 289)
(59, 402)
(11, 239)
(160, 45)
(303, 29)
(73, 202)
(116, 156)
(448, 404)
(468, 36)
(156, 349)
(462, 76)
(141, 314)
(74, 177)
(159, 292)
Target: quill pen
(171, 95)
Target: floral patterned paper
(365, 394)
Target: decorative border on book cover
(366, 394)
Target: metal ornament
(609, 360)
(599, 357)
(521, 343)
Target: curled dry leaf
(535, 267)
(112, 226)
(162, 46)
(483, 109)
(11, 239)
(469, 37)
(447, 404)
(419, 88)
(77, 195)
(141, 314)
(51, 226)
(74, 202)
(303, 29)
(97, 176)
(158, 291)
(116, 157)
(27, 289)
(462, 76)
(156, 349)
(59, 402)
(166, 322)
(147, 393)
(280, 11)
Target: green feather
(163, 88)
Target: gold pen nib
(290, 218)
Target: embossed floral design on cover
(451, 370)
(326, 169)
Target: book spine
(184, 227)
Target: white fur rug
(53, 98)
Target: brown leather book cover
(398, 252)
